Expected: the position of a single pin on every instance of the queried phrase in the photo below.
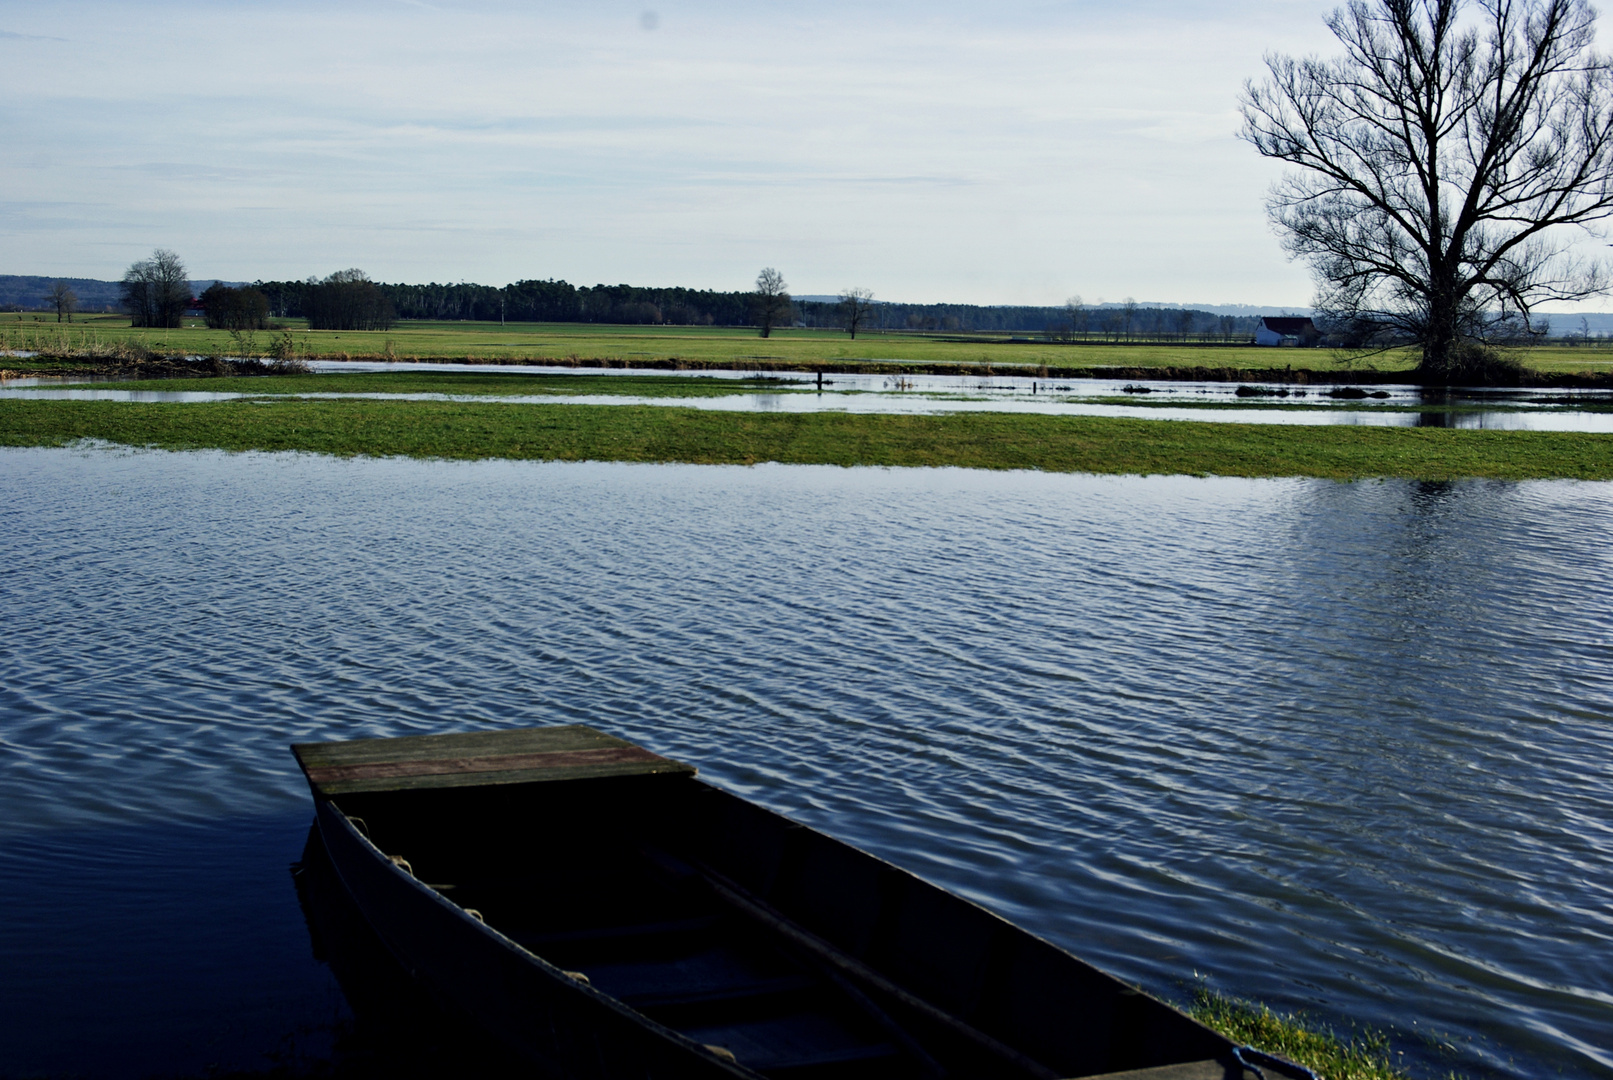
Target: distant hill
(1253, 311)
(29, 292)
(1250, 311)
(1598, 324)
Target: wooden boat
(605, 914)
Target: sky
(1005, 153)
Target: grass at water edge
(1365, 1055)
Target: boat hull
(643, 924)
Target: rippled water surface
(1340, 747)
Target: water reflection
(1455, 793)
(1437, 419)
(397, 1029)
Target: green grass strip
(1364, 1056)
(468, 430)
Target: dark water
(1339, 747)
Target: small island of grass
(653, 433)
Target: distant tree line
(1126, 322)
(227, 308)
(530, 301)
(347, 300)
(155, 293)
(559, 301)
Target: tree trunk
(1441, 337)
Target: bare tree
(856, 305)
(1184, 324)
(63, 299)
(1156, 323)
(1076, 314)
(1112, 320)
(155, 292)
(1128, 314)
(772, 300)
(1439, 160)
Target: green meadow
(726, 347)
(691, 346)
(653, 433)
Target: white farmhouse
(1286, 330)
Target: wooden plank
(558, 759)
(475, 758)
(456, 744)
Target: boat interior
(790, 953)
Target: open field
(692, 346)
(69, 346)
(469, 430)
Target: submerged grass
(1364, 1056)
(469, 430)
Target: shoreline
(191, 367)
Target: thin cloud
(12, 35)
(940, 151)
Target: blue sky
(1006, 153)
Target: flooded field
(1371, 405)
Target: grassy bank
(467, 430)
(1366, 1056)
